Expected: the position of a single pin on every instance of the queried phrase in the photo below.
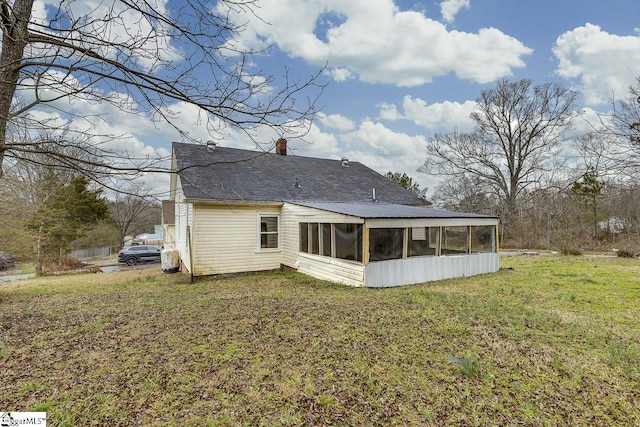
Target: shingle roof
(244, 175)
(384, 210)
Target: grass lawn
(555, 341)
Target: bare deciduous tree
(517, 127)
(465, 194)
(626, 116)
(620, 130)
(143, 57)
(132, 208)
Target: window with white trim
(269, 232)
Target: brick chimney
(281, 147)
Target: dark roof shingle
(243, 175)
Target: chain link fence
(94, 253)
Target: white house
(239, 211)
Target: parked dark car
(131, 255)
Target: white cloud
(384, 150)
(605, 64)
(340, 74)
(442, 116)
(588, 121)
(380, 43)
(450, 8)
(337, 121)
(389, 112)
(318, 144)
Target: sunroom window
(386, 243)
(348, 241)
(455, 240)
(483, 239)
(314, 239)
(326, 239)
(304, 237)
(423, 241)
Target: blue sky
(399, 71)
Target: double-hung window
(268, 238)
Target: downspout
(189, 245)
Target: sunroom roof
(384, 210)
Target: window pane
(455, 240)
(422, 241)
(269, 241)
(326, 239)
(269, 224)
(348, 241)
(304, 237)
(269, 232)
(315, 239)
(483, 239)
(386, 243)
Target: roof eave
(234, 202)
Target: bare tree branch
(142, 57)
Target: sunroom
(383, 245)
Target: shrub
(61, 265)
(570, 250)
(625, 253)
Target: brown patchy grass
(556, 341)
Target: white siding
(225, 239)
(400, 272)
(335, 270)
(169, 235)
(184, 214)
(325, 268)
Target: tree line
(45, 213)
(551, 186)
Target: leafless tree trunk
(15, 36)
(143, 57)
